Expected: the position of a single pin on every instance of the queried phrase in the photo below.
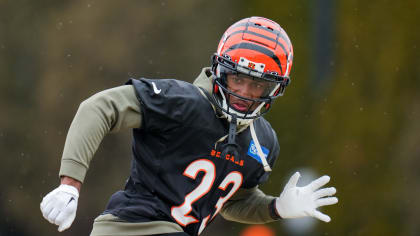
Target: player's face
(247, 87)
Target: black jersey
(178, 173)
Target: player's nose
(245, 90)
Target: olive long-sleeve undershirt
(106, 112)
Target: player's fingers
(321, 181)
(47, 199)
(62, 217)
(293, 181)
(66, 218)
(47, 209)
(66, 212)
(43, 204)
(56, 203)
(326, 201)
(321, 216)
(53, 214)
(325, 192)
(63, 227)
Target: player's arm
(107, 111)
(250, 206)
(253, 206)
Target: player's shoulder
(164, 88)
(172, 98)
(267, 136)
(263, 125)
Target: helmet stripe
(262, 36)
(281, 33)
(258, 48)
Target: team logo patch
(252, 151)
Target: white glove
(60, 205)
(295, 202)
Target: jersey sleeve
(250, 206)
(107, 111)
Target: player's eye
(238, 80)
(258, 85)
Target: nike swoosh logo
(155, 89)
(71, 199)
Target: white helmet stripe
(287, 65)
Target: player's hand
(295, 202)
(60, 205)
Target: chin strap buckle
(231, 147)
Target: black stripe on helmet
(258, 48)
(280, 33)
(262, 36)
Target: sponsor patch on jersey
(252, 151)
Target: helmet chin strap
(231, 148)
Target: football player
(198, 149)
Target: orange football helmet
(259, 49)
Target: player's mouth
(240, 106)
